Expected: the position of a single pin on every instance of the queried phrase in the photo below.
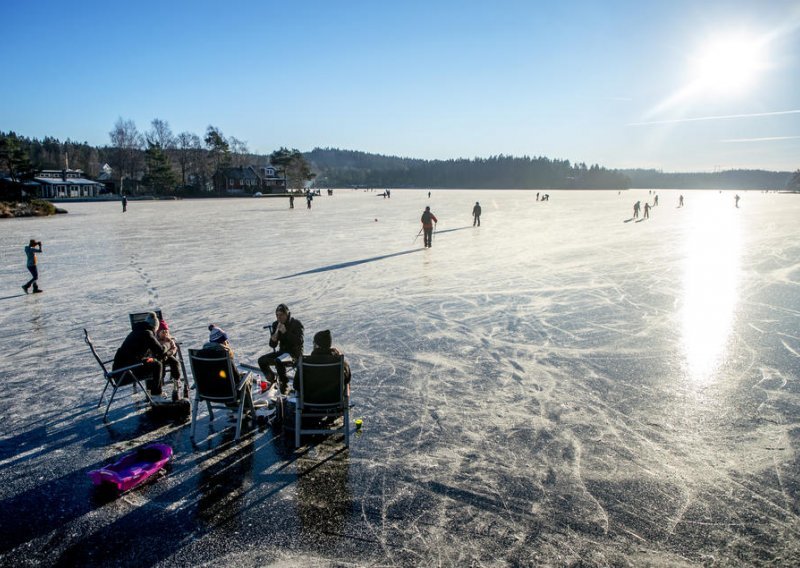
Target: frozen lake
(561, 384)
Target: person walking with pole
(31, 250)
(428, 219)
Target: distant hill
(343, 168)
(348, 168)
(728, 179)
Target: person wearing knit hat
(151, 319)
(324, 352)
(323, 339)
(287, 338)
(142, 346)
(171, 359)
(216, 334)
(218, 341)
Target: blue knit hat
(217, 334)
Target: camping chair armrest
(124, 370)
(246, 379)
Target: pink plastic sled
(134, 468)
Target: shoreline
(33, 208)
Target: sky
(674, 85)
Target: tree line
(337, 167)
(157, 161)
(348, 168)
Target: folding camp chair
(116, 378)
(140, 317)
(321, 394)
(215, 384)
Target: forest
(161, 163)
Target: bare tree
(188, 151)
(161, 134)
(239, 151)
(127, 143)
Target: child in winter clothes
(171, 359)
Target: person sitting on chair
(218, 341)
(141, 346)
(171, 357)
(287, 336)
(324, 352)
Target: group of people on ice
(151, 344)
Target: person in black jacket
(476, 214)
(324, 352)
(141, 346)
(287, 337)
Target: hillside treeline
(167, 164)
(343, 168)
(728, 179)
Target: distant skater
(309, 198)
(736, 199)
(680, 200)
(646, 210)
(428, 219)
(636, 207)
(476, 214)
(291, 202)
(537, 196)
(429, 195)
(124, 203)
(655, 201)
(31, 250)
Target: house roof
(239, 173)
(68, 181)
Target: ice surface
(562, 384)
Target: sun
(728, 64)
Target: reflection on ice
(557, 387)
(712, 248)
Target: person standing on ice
(646, 210)
(476, 214)
(30, 251)
(680, 200)
(428, 219)
(636, 207)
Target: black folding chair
(117, 378)
(321, 394)
(215, 384)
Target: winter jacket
(290, 341)
(140, 344)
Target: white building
(54, 184)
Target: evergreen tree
(14, 158)
(160, 177)
(294, 167)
